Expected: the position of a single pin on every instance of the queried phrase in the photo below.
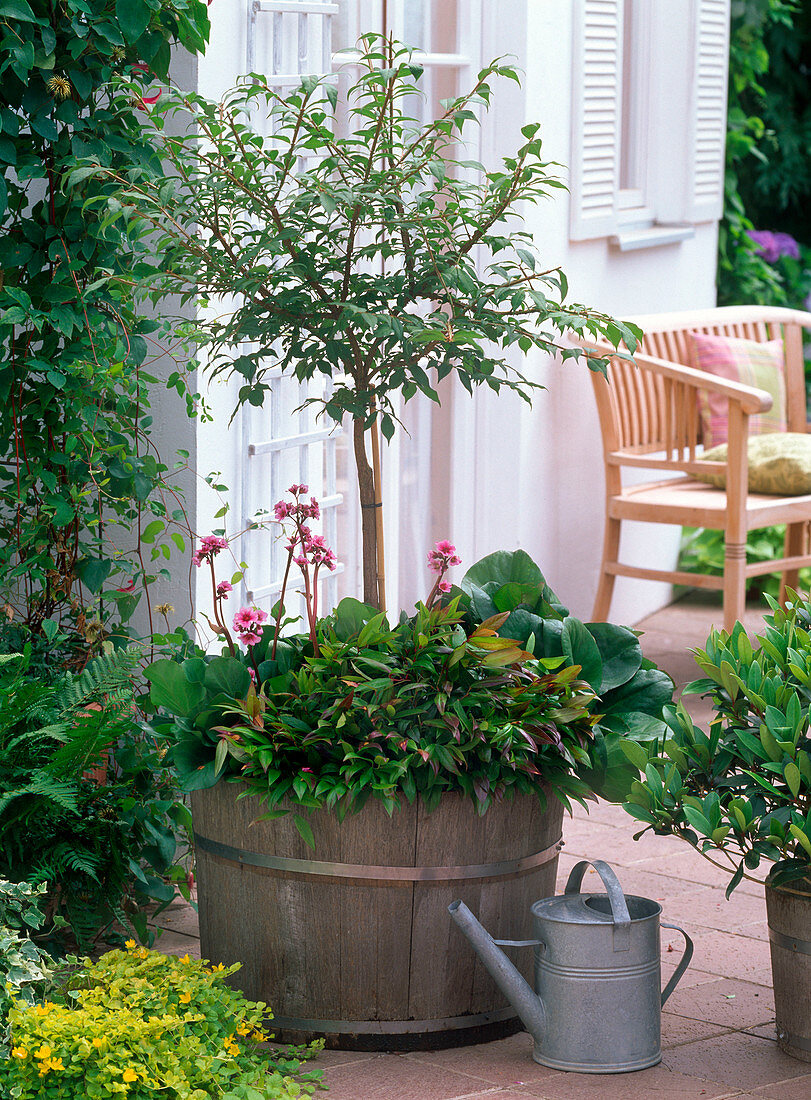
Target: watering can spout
(509, 980)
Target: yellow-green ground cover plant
(140, 1024)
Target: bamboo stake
(381, 557)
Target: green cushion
(779, 464)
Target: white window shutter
(709, 110)
(597, 68)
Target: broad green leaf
(17, 9)
(581, 649)
(133, 18)
(620, 651)
(172, 690)
(227, 676)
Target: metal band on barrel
(391, 1027)
(791, 943)
(509, 868)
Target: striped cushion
(754, 364)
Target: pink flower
(223, 588)
(295, 490)
(210, 546)
(252, 674)
(248, 617)
(444, 587)
(281, 510)
(250, 637)
(443, 557)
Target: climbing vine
(81, 488)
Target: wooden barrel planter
(353, 941)
(789, 916)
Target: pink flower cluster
(210, 546)
(443, 557)
(440, 559)
(248, 623)
(223, 588)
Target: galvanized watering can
(596, 1006)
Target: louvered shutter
(597, 71)
(708, 110)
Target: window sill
(629, 240)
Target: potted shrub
(741, 792)
(460, 747)
(373, 255)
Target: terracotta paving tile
(658, 1083)
(738, 1060)
(175, 943)
(735, 1004)
(179, 917)
(507, 1062)
(798, 1089)
(732, 956)
(708, 908)
(399, 1077)
(679, 1029)
(690, 866)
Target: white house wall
(539, 473)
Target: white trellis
(282, 442)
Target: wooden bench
(649, 418)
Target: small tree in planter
(741, 793)
(373, 256)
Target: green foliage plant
(352, 243)
(629, 692)
(78, 468)
(106, 848)
(445, 700)
(702, 551)
(26, 970)
(744, 276)
(740, 793)
(139, 1024)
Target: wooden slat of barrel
(328, 949)
(790, 935)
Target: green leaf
(17, 9)
(133, 18)
(793, 777)
(172, 690)
(581, 649)
(305, 830)
(620, 651)
(93, 572)
(228, 676)
(635, 753)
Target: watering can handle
(684, 961)
(619, 906)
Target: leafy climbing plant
(77, 466)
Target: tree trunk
(368, 510)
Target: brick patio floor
(717, 1028)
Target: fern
(106, 679)
(41, 785)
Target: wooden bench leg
(605, 589)
(795, 544)
(734, 583)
